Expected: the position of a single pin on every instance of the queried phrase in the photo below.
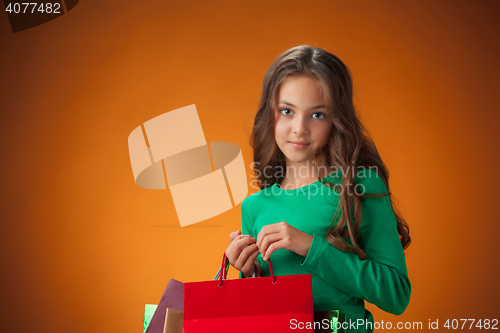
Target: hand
(242, 252)
(282, 236)
(234, 234)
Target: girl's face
(303, 123)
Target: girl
(324, 206)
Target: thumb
(234, 234)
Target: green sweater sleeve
(382, 279)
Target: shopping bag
(265, 304)
(173, 321)
(173, 297)
(149, 311)
(329, 322)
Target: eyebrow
(313, 108)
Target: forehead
(301, 91)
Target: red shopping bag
(264, 304)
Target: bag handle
(225, 267)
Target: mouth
(298, 144)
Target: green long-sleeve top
(340, 280)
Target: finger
(243, 256)
(266, 230)
(232, 253)
(247, 251)
(240, 243)
(234, 234)
(241, 237)
(235, 247)
(273, 247)
(249, 264)
(268, 240)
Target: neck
(301, 174)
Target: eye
(321, 115)
(283, 110)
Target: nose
(300, 125)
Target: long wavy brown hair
(349, 146)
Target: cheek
(323, 135)
(280, 131)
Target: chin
(298, 159)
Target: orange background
(83, 248)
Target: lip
(298, 144)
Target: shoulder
(256, 199)
(370, 181)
